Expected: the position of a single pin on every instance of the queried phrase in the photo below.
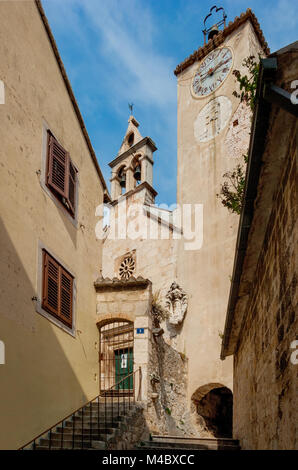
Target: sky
(125, 51)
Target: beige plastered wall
(205, 273)
(48, 371)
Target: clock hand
(220, 64)
(211, 71)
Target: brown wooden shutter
(71, 186)
(57, 290)
(58, 165)
(50, 284)
(66, 297)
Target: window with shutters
(61, 175)
(57, 290)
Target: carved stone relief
(212, 119)
(176, 304)
(127, 268)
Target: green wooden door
(123, 367)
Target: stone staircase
(97, 426)
(188, 443)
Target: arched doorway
(214, 403)
(116, 358)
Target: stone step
(103, 422)
(174, 442)
(80, 417)
(57, 445)
(78, 436)
(108, 414)
(114, 402)
(96, 445)
(86, 430)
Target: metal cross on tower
(131, 105)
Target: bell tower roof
(132, 135)
(132, 169)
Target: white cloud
(124, 32)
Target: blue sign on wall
(140, 331)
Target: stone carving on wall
(127, 268)
(212, 119)
(176, 304)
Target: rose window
(127, 268)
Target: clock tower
(213, 135)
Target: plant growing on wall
(158, 312)
(248, 83)
(232, 189)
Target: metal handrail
(122, 380)
(33, 441)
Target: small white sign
(123, 361)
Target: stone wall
(166, 412)
(132, 432)
(265, 380)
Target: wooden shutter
(58, 167)
(50, 284)
(71, 186)
(66, 297)
(57, 290)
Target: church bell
(137, 173)
(123, 180)
(213, 32)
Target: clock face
(212, 72)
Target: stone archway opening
(116, 357)
(214, 404)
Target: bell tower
(213, 134)
(132, 169)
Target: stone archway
(116, 357)
(214, 404)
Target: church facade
(190, 276)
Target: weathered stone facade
(262, 319)
(265, 385)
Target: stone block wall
(265, 379)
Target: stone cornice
(133, 149)
(115, 284)
(141, 186)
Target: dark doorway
(216, 408)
